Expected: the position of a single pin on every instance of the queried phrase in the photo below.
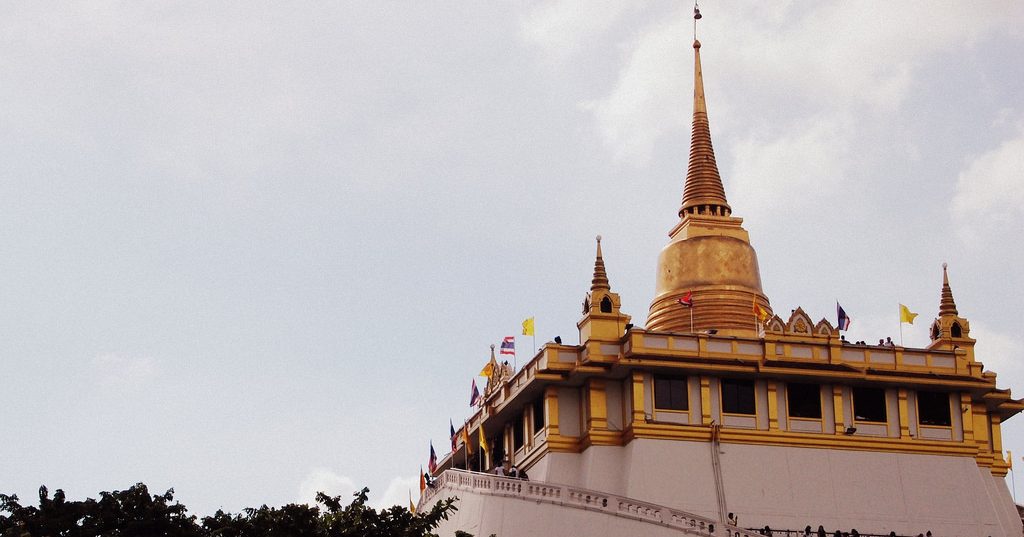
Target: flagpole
(1013, 483)
(753, 300)
(691, 317)
(900, 315)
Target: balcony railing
(575, 497)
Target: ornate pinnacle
(600, 280)
(703, 193)
(946, 304)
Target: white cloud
(334, 484)
(397, 492)
(830, 58)
(328, 482)
(809, 159)
(990, 193)
(120, 373)
(561, 27)
(1001, 353)
(638, 111)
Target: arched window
(935, 331)
(956, 330)
(606, 305)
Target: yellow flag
(906, 316)
(760, 312)
(488, 370)
(412, 506)
(528, 327)
(465, 440)
(483, 441)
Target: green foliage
(136, 513)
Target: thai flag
(432, 465)
(451, 426)
(508, 345)
(687, 300)
(844, 319)
(474, 394)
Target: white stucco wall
(789, 487)
(483, 515)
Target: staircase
(577, 498)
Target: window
(933, 408)
(606, 305)
(538, 414)
(955, 330)
(869, 404)
(517, 433)
(670, 393)
(738, 397)
(804, 400)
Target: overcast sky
(251, 250)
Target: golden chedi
(709, 256)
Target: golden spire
(709, 257)
(703, 193)
(600, 280)
(946, 304)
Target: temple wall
(791, 487)
(511, 517)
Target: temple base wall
(483, 515)
(791, 487)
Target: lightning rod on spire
(696, 17)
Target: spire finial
(946, 304)
(600, 280)
(696, 17)
(703, 193)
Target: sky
(252, 250)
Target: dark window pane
(670, 393)
(538, 414)
(517, 433)
(804, 400)
(738, 396)
(933, 408)
(869, 404)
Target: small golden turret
(950, 330)
(602, 319)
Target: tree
(136, 513)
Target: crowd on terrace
(821, 532)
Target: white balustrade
(564, 495)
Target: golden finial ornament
(600, 281)
(946, 304)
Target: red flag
(686, 300)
